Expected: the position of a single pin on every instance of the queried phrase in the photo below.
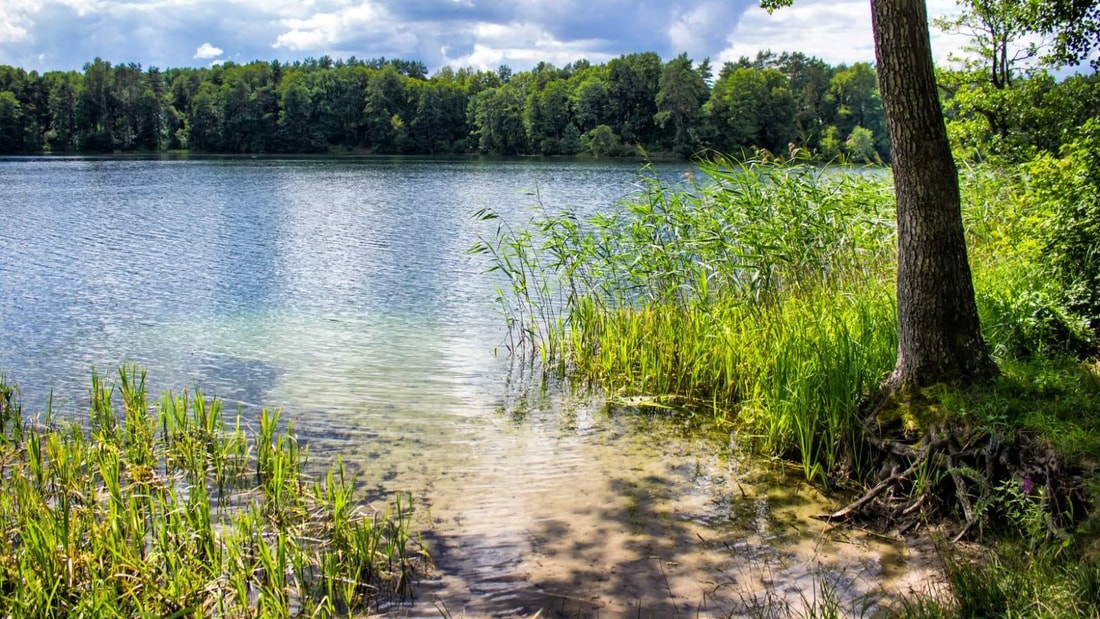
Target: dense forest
(635, 103)
(321, 105)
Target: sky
(45, 35)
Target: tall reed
(760, 291)
(169, 511)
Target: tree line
(631, 104)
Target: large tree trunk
(938, 333)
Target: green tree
(1074, 25)
(997, 96)
(591, 103)
(96, 107)
(939, 336)
(385, 98)
(428, 129)
(809, 79)
(998, 37)
(497, 120)
(752, 107)
(860, 145)
(546, 114)
(296, 126)
(853, 100)
(602, 142)
(11, 123)
(680, 100)
(64, 126)
(633, 82)
(204, 131)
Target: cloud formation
(206, 51)
(64, 34)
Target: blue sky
(64, 34)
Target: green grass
(175, 510)
(763, 296)
(1007, 580)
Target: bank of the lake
(764, 298)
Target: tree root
(859, 504)
(954, 472)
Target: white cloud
(522, 46)
(64, 34)
(15, 21)
(206, 51)
(328, 30)
(835, 31)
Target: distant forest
(633, 103)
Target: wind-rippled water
(341, 291)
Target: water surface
(341, 291)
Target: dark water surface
(341, 292)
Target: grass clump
(1008, 579)
(760, 293)
(175, 510)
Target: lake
(341, 291)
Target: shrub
(1069, 188)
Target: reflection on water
(341, 292)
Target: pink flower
(1028, 485)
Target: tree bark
(939, 339)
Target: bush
(1069, 188)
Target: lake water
(340, 291)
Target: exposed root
(859, 504)
(953, 471)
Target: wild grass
(175, 510)
(763, 295)
(760, 293)
(1008, 580)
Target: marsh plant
(178, 510)
(758, 292)
(763, 292)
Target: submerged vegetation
(175, 510)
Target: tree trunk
(939, 339)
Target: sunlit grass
(764, 295)
(761, 294)
(175, 510)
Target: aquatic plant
(763, 293)
(171, 510)
(759, 292)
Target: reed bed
(763, 295)
(761, 292)
(177, 510)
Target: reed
(760, 293)
(170, 511)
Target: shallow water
(341, 291)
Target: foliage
(762, 293)
(1001, 101)
(1009, 581)
(757, 293)
(393, 106)
(1069, 188)
(175, 510)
